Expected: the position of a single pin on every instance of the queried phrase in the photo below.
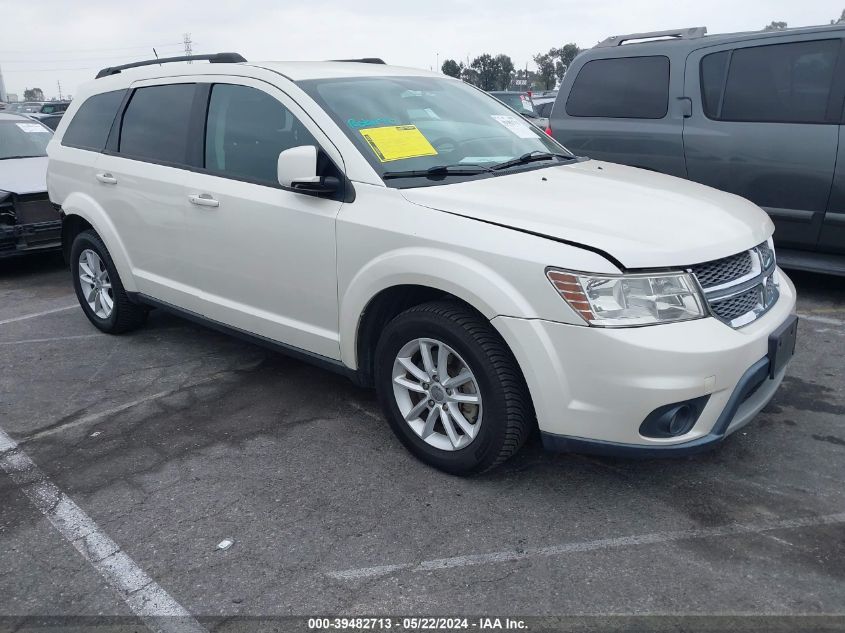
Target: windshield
(405, 124)
(520, 102)
(23, 139)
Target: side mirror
(297, 170)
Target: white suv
(412, 232)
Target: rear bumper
(20, 239)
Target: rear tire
(488, 408)
(99, 289)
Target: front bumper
(19, 239)
(593, 387)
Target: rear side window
(786, 83)
(625, 88)
(89, 128)
(156, 123)
(247, 129)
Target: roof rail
(214, 58)
(363, 60)
(680, 34)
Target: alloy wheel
(437, 394)
(95, 283)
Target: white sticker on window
(475, 160)
(515, 125)
(33, 128)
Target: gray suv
(756, 114)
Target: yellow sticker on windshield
(396, 142)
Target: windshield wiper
(438, 170)
(27, 156)
(530, 157)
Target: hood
(24, 175)
(641, 218)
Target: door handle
(686, 106)
(106, 178)
(203, 200)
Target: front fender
(86, 207)
(475, 283)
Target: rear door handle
(107, 178)
(203, 200)
(686, 106)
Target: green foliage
(33, 94)
(565, 55)
(775, 26)
(546, 71)
(505, 65)
(452, 68)
(497, 73)
(494, 73)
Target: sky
(45, 42)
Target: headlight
(630, 300)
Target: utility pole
(2, 88)
(186, 40)
(438, 62)
(60, 89)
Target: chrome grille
(734, 307)
(722, 271)
(740, 288)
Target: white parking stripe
(32, 341)
(146, 599)
(589, 546)
(38, 314)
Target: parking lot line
(32, 341)
(38, 314)
(589, 546)
(144, 597)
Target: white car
(28, 222)
(411, 232)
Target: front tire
(451, 389)
(99, 289)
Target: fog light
(673, 420)
(681, 420)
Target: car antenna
(156, 54)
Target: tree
(33, 94)
(452, 68)
(565, 56)
(775, 26)
(470, 75)
(841, 19)
(524, 79)
(505, 71)
(546, 70)
(488, 71)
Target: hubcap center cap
(438, 393)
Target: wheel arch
(81, 212)
(385, 287)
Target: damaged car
(28, 221)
